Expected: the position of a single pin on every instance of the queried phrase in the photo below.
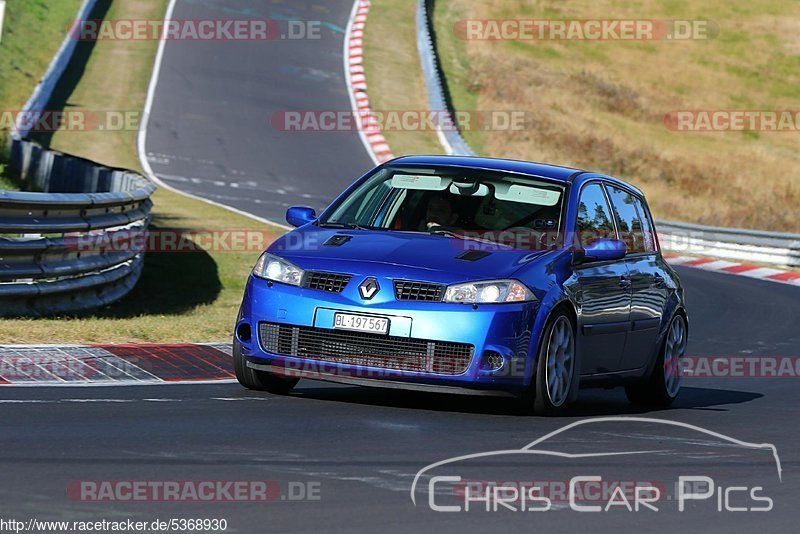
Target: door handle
(624, 282)
(658, 281)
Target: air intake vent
(331, 282)
(370, 350)
(424, 291)
(337, 240)
(473, 255)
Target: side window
(630, 225)
(649, 227)
(594, 216)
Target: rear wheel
(664, 383)
(259, 380)
(555, 377)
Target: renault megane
(469, 275)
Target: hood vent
(473, 255)
(337, 240)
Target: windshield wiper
(449, 233)
(348, 226)
(442, 231)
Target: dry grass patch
(394, 77)
(601, 105)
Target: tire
(661, 388)
(556, 381)
(259, 380)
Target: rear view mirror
(300, 215)
(603, 250)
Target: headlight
(277, 269)
(489, 291)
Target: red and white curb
(731, 267)
(115, 365)
(373, 139)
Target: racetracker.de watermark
(250, 240)
(740, 366)
(195, 30)
(584, 30)
(67, 367)
(408, 120)
(733, 120)
(71, 120)
(193, 491)
(178, 240)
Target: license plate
(361, 323)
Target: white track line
(116, 383)
(142, 136)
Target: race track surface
(212, 131)
(359, 449)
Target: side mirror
(602, 250)
(300, 215)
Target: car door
(648, 286)
(601, 289)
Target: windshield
(471, 203)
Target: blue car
(469, 275)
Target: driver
(439, 212)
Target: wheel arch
(548, 309)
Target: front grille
(371, 350)
(406, 290)
(331, 282)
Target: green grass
(394, 77)
(462, 83)
(6, 183)
(33, 32)
(181, 296)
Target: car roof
(544, 170)
(554, 172)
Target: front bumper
(503, 329)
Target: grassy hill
(601, 105)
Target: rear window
(626, 210)
(650, 243)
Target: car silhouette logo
(369, 288)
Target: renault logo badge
(369, 288)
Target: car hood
(399, 254)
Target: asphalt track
(360, 447)
(211, 129)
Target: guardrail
(732, 243)
(438, 96)
(43, 268)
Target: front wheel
(259, 380)
(556, 369)
(664, 383)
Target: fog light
(243, 332)
(493, 360)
